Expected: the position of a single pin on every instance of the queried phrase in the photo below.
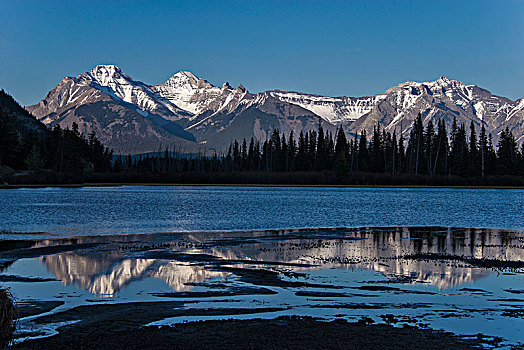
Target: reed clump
(8, 317)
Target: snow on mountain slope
(198, 96)
(67, 94)
(444, 99)
(96, 102)
(111, 80)
(190, 107)
(332, 109)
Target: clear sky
(351, 48)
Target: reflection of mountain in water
(103, 275)
(392, 251)
(389, 251)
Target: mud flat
(282, 333)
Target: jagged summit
(241, 88)
(444, 78)
(441, 81)
(184, 76)
(187, 74)
(106, 68)
(104, 74)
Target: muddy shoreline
(282, 332)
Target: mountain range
(192, 115)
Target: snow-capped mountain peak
(444, 79)
(193, 108)
(183, 78)
(105, 75)
(187, 74)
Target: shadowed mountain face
(441, 257)
(191, 113)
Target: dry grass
(8, 317)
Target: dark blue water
(141, 209)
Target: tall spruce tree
(341, 152)
(415, 149)
(507, 153)
(474, 164)
(429, 147)
(483, 150)
(363, 155)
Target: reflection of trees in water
(377, 249)
(382, 250)
(5, 264)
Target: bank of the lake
(120, 184)
(280, 333)
(311, 178)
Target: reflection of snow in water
(110, 275)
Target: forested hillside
(430, 151)
(26, 144)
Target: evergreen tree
(474, 164)
(312, 150)
(276, 151)
(401, 156)
(301, 162)
(251, 155)
(507, 153)
(236, 156)
(321, 153)
(483, 149)
(363, 155)
(341, 152)
(430, 140)
(459, 154)
(491, 157)
(292, 151)
(376, 152)
(34, 160)
(243, 156)
(440, 163)
(9, 138)
(416, 146)
(284, 157)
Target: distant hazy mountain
(189, 112)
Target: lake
(147, 209)
(449, 259)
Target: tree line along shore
(430, 156)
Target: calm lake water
(146, 209)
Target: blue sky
(335, 48)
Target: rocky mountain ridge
(191, 113)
